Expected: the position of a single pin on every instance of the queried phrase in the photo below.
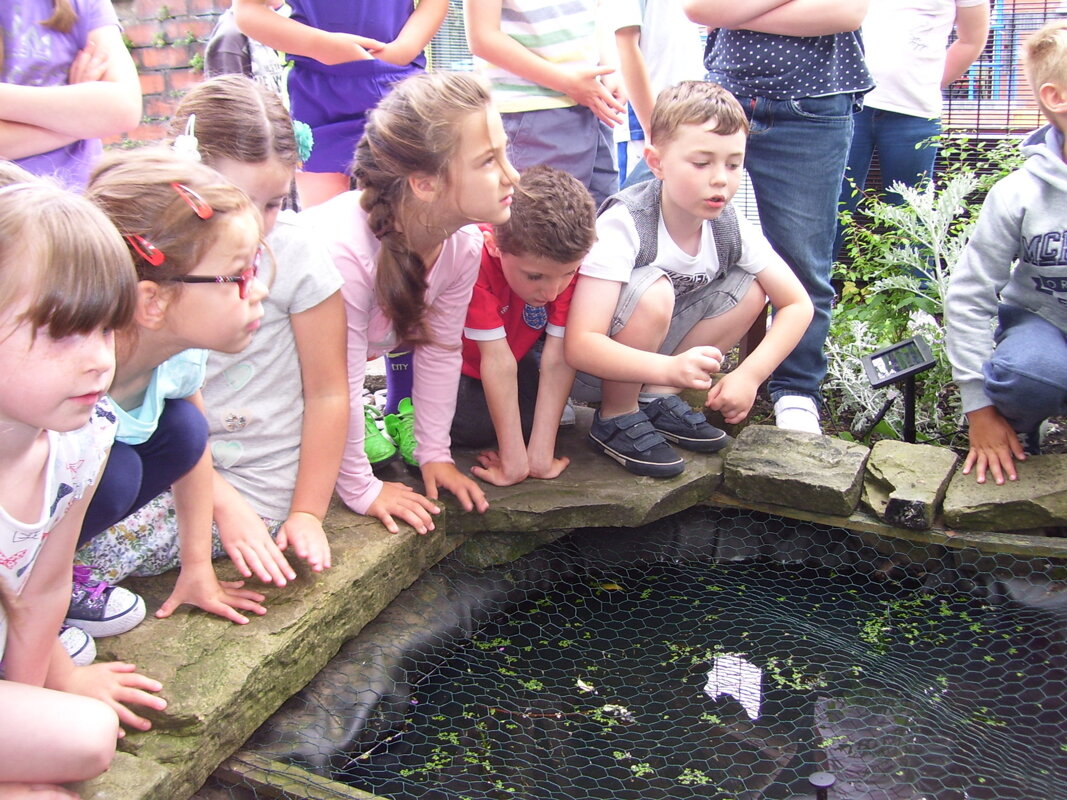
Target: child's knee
(651, 317)
(753, 302)
(186, 430)
(92, 740)
(1024, 397)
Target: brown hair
(1045, 55)
(694, 103)
(63, 251)
(553, 216)
(62, 20)
(136, 189)
(237, 118)
(413, 130)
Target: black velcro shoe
(681, 425)
(631, 440)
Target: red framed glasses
(243, 279)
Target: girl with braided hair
(430, 164)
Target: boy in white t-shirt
(676, 278)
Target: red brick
(172, 55)
(142, 34)
(206, 6)
(182, 79)
(149, 131)
(178, 30)
(160, 106)
(149, 9)
(152, 83)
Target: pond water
(738, 680)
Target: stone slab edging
(223, 681)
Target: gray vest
(642, 200)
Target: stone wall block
(1037, 499)
(905, 483)
(797, 470)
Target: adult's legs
(570, 139)
(1026, 378)
(906, 155)
(796, 161)
(860, 153)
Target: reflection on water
(737, 681)
(734, 676)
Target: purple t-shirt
(39, 56)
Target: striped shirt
(560, 31)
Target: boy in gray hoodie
(1015, 268)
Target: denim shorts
(707, 301)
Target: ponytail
(413, 130)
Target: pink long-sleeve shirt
(343, 226)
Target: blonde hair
(62, 20)
(553, 216)
(1045, 55)
(413, 130)
(74, 265)
(694, 103)
(237, 118)
(137, 190)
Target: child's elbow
(129, 116)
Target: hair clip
(186, 144)
(145, 249)
(305, 140)
(197, 203)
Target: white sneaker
(797, 412)
(78, 644)
(568, 417)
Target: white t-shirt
(670, 41)
(75, 459)
(905, 43)
(255, 398)
(615, 251)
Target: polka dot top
(752, 64)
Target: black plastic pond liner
(716, 654)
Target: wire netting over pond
(719, 654)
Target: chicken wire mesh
(716, 654)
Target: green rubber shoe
(401, 429)
(378, 448)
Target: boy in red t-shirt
(523, 289)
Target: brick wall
(166, 39)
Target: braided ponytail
(413, 130)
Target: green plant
(893, 283)
(196, 62)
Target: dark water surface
(737, 681)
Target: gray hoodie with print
(1017, 255)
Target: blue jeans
(902, 155)
(796, 160)
(138, 473)
(1026, 378)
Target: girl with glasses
(196, 244)
(274, 410)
